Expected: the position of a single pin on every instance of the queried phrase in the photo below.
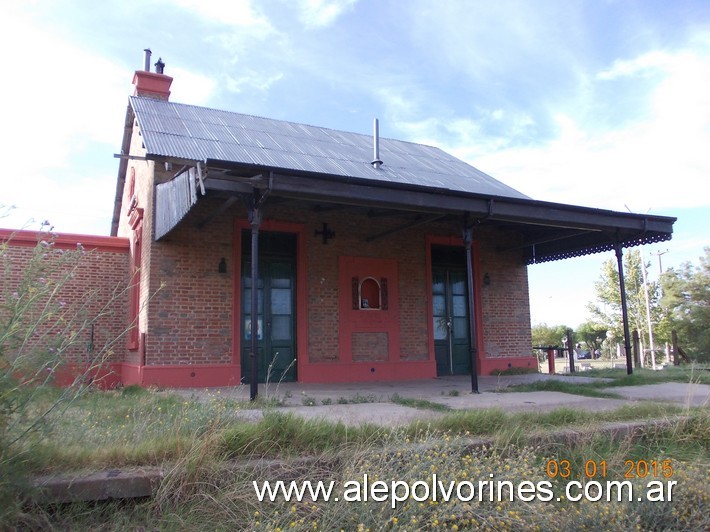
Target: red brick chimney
(152, 84)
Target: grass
(202, 494)
(421, 404)
(108, 429)
(193, 441)
(695, 371)
(615, 378)
(135, 426)
(141, 427)
(588, 390)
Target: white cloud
(234, 12)
(252, 79)
(58, 94)
(191, 87)
(61, 102)
(63, 204)
(658, 161)
(322, 13)
(650, 61)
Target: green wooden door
(276, 330)
(451, 335)
(450, 312)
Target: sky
(600, 103)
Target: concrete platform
(358, 403)
(296, 393)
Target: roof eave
(122, 169)
(501, 208)
(604, 228)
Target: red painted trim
(108, 244)
(331, 372)
(105, 377)
(489, 365)
(190, 376)
(211, 375)
(301, 287)
(134, 294)
(477, 301)
(377, 321)
(131, 374)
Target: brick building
(362, 263)
(373, 259)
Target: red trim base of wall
(105, 377)
(131, 374)
(214, 375)
(115, 375)
(488, 366)
(327, 372)
(193, 376)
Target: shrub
(39, 330)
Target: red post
(551, 360)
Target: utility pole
(660, 265)
(648, 304)
(648, 308)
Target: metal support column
(255, 221)
(255, 216)
(624, 310)
(467, 240)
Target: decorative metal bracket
(327, 233)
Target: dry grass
(204, 488)
(200, 493)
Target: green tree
(686, 302)
(592, 334)
(607, 310)
(544, 335)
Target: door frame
(266, 342)
(453, 344)
(301, 300)
(433, 240)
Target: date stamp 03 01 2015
(656, 473)
(595, 469)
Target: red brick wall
(96, 292)
(506, 303)
(190, 320)
(370, 346)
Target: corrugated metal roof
(198, 133)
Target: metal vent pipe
(146, 62)
(376, 163)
